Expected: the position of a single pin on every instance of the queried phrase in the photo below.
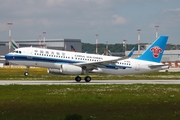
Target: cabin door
(137, 66)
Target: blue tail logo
(155, 51)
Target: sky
(113, 20)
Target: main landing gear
(27, 71)
(87, 78)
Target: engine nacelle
(54, 71)
(66, 69)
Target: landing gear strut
(87, 78)
(27, 71)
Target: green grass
(92, 102)
(41, 74)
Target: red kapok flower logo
(156, 50)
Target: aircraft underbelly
(120, 71)
(34, 64)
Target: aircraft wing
(94, 65)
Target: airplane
(73, 49)
(14, 44)
(75, 63)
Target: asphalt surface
(71, 82)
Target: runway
(93, 82)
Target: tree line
(115, 48)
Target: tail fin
(73, 49)
(155, 51)
(131, 52)
(13, 43)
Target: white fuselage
(48, 58)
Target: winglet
(131, 52)
(155, 51)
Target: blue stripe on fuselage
(12, 57)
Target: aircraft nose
(8, 56)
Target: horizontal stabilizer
(157, 66)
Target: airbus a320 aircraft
(65, 62)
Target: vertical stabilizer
(131, 52)
(155, 51)
(13, 43)
(72, 49)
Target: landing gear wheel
(27, 71)
(78, 79)
(26, 74)
(87, 79)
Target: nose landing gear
(27, 71)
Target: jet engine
(66, 69)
